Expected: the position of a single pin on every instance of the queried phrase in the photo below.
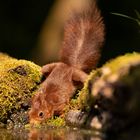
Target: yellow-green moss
(82, 98)
(18, 80)
(56, 122)
(84, 94)
(4, 57)
(122, 61)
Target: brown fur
(83, 38)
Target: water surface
(49, 134)
(67, 134)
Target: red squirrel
(80, 52)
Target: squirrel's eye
(41, 114)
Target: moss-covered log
(19, 79)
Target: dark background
(21, 22)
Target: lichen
(19, 79)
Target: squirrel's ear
(79, 76)
(46, 69)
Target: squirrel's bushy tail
(83, 38)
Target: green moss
(84, 95)
(4, 57)
(18, 81)
(56, 122)
(122, 61)
(82, 99)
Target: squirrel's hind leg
(79, 75)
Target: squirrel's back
(83, 38)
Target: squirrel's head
(40, 109)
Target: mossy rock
(116, 94)
(19, 79)
(112, 89)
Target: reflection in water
(67, 134)
(62, 134)
(49, 134)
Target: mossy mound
(116, 94)
(19, 79)
(110, 94)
